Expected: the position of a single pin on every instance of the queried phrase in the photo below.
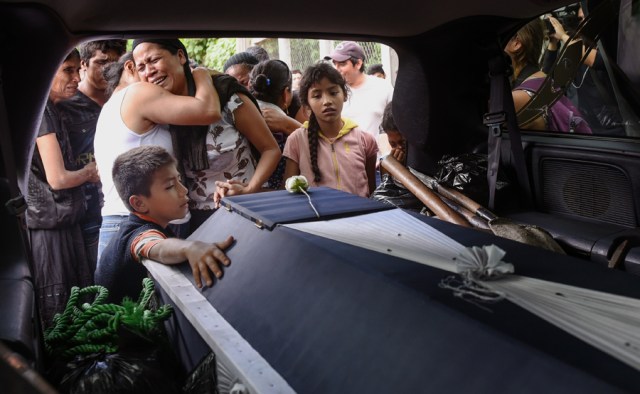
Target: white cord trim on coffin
(393, 232)
(606, 321)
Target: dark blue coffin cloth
(280, 207)
(330, 317)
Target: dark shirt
(48, 208)
(117, 270)
(80, 116)
(295, 105)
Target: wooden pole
(422, 192)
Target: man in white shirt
(369, 95)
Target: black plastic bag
(468, 173)
(393, 193)
(204, 378)
(143, 368)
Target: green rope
(93, 327)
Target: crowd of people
(100, 198)
(137, 149)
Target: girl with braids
(330, 150)
(270, 83)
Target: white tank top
(112, 138)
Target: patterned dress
(229, 155)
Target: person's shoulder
(368, 137)
(142, 86)
(380, 82)
(137, 228)
(300, 132)
(72, 105)
(78, 98)
(533, 82)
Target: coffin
(297, 312)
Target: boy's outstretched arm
(202, 256)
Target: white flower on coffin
(483, 263)
(299, 184)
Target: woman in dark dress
(56, 203)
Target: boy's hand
(204, 256)
(398, 154)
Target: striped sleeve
(143, 243)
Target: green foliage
(210, 52)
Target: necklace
(582, 80)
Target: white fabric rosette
(483, 263)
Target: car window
(566, 81)
(297, 53)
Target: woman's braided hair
(313, 75)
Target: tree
(210, 52)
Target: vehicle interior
(583, 189)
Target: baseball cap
(345, 51)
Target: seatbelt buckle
(494, 121)
(16, 206)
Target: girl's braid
(314, 129)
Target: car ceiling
(385, 19)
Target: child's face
(168, 199)
(326, 100)
(396, 140)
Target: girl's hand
(230, 188)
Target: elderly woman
(239, 66)
(56, 202)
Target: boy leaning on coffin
(148, 182)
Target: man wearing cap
(369, 95)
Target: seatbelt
(501, 110)
(629, 117)
(16, 205)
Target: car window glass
(571, 89)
